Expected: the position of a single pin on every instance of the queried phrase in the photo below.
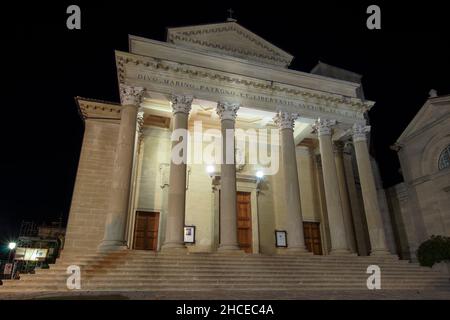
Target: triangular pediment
(433, 110)
(229, 38)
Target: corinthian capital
(140, 121)
(140, 128)
(130, 95)
(181, 103)
(324, 126)
(285, 120)
(359, 131)
(227, 110)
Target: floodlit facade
(308, 184)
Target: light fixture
(210, 169)
(11, 245)
(259, 174)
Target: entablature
(169, 77)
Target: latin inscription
(241, 95)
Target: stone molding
(140, 121)
(181, 103)
(324, 126)
(327, 99)
(186, 36)
(98, 109)
(130, 95)
(227, 110)
(359, 132)
(140, 128)
(285, 120)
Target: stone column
(306, 180)
(338, 236)
(134, 175)
(369, 191)
(345, 200)
(174, 240)
(322, 204)
(228, 206)
(359, 221)
(115, 225)
(294, 219)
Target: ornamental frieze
(99, 110)
(187, 37)
(170, 77)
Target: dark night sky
(50, 65)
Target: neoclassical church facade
(325, 195)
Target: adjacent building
(420, 205)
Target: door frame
(244, 183)
(251, 215)
(158, 242)
(322, 237)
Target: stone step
(286, 285)
(141, 271)
(241, 266)
(228, 263)
(253, 277)
(213, 279)
(239, 258)
(248, 271)
(120, 273)
(116, 284)
(126, 286)
(132, 254)
(252, 273)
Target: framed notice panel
(8, 268)
(280, 238)
(30, 254)
(189, 234)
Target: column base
(112, 245)
(382, 253)
(174, 247)
(230, 249)
(341, 252)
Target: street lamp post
(11, 247)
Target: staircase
(149, 271)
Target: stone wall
(87, 216)
(153, 179)
(200, 207)
(403, 227)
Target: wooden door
(244, 221)
(312, 237)
(146, 231)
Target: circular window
(444, 158)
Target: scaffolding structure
(28, 229)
